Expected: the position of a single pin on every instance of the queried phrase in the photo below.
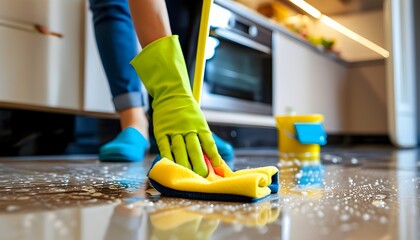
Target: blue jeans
(117, 45)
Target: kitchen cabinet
(66, 74)
(348, 89)
(50, 73)
(41, 70)
(351, 96)
(308, 82)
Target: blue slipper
(129, 146)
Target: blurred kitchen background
(354, 61)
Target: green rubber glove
(180, 129)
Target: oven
(238, 74)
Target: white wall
(367, 100)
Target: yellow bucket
(289, 146)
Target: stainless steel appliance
(238, 76)
(403, 73)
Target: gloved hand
(180, 128)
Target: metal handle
(247, 42)
(36, 28)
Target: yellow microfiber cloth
(248, 185)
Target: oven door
(238, 73)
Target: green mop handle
(200, 61)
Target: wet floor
(361, 193)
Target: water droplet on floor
(379, 203)
(23, 198)
(344, 217)
(366, 217)
(207, 210)
(12, 208)
(57, 190)
(383, 220)
(96, 194)
(262, 230)
(380, 196)
(345, 227)
(320, 214)
(238, 227)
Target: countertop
(256, 17)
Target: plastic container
(290, 147)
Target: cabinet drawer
(31, 70)
(24, 11)
(39, 69)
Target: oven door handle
(242, 40)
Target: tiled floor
(356, 193)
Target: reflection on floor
(353, 194)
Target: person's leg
(117, 44)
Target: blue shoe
(129, 146)
(225, 150)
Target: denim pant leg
(117, 44)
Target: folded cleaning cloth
(248, 185)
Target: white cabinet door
(36, 69)
(308, 82)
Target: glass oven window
(238, 71)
